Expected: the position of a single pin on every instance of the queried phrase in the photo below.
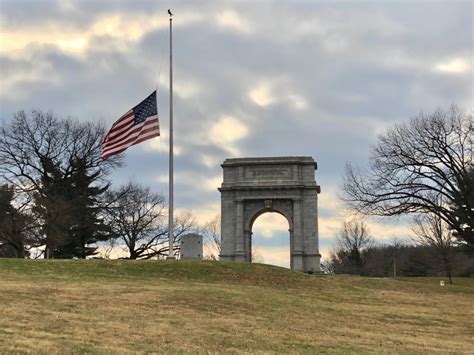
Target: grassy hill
(177, 306)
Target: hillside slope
(176, 306)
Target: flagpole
(170, 195)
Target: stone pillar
(228, 242)
(240, 254)
(298, 236)
(248, 245)
(311, 249)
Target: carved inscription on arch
(268, 172)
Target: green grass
(176, 306)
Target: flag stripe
(129, 116)
(132, 135)
(154, 133)
(113, 135)
(130, 129)
(124, 134)
(124, 117)
(120, 126)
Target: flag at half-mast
(137, 125)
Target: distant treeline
(402, 260)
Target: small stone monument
(191, 246)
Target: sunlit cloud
(270, 92)
(230, 19)
(261, 94)
(210, 161)
(268, 224)
(204, 214)
(226, 132)
(454, 66)
(126, 27)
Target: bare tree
(30, 138)
(212, 237)
(430, 230)
(138, 219)
(424, 166)
(350, 251)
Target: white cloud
(261, 94)
(124, 27)
(232, 20)
(226, 132)
(205, 213)
(268, 224)
(272, 91)
(454, 66)
(210, 161)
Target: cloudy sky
(251, 78)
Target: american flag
(137, 125)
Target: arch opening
(270, 234)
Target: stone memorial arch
(286, 185)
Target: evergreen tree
(16, 227)
(463, 209)
(88, 227)
(69, 208)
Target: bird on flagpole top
(169, 12)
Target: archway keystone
(286, 185)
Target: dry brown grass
(97, 306)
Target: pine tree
(69, 207)
(88, 227)
(16, 227)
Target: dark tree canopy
(30, 140)
(423, 166)
(18, 229)
(70, 210)
(57, 163)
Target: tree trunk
(447, 267)
(20, 251)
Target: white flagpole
(170, 195)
